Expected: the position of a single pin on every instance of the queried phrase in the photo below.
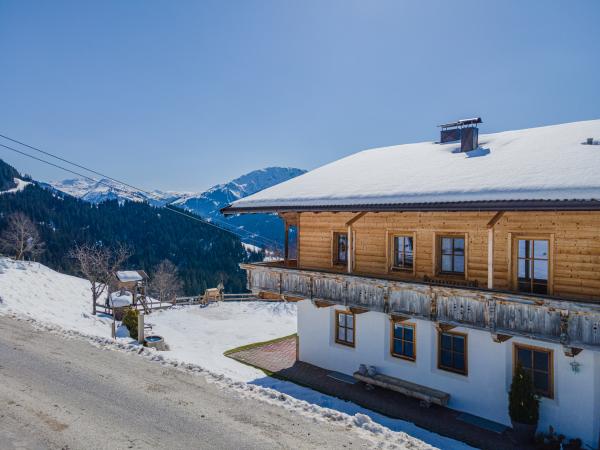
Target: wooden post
(285, 246)
(113, 331)
(490, 268)
(349, 249)
(490, 262)
(350, 253)
(140, 335)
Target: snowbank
(32, 290)
(546, 163)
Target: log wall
(574, 239)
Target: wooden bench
(423, 393)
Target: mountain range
(262, 230)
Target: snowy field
(194, 335)
(197, 338)
(201, 335)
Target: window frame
(391, 235)
(465, 353)
(516, 346)
(338, 312)
(403, 323)
(437, 263)
(513, 263)
(334, 248)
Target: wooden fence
(190, 300)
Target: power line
(168, 207)
(235, 230)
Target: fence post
(140, 335)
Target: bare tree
(165, 284)
(97, 263)
(21, 237)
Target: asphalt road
(67, 394)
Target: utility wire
(256, 238)
(235, 230)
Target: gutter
(493, 205)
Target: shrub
(130, 320)
(523, 404)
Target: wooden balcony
(573, 324)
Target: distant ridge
(206, 204)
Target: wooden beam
(356, 310)
(349, 249)
(322, 304)
(443, 327)
(495, 219)
(499, 338)
(490, 255)
(350, 256)
(399, 318)
(571, 351)
(355, 218)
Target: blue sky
(183, 95)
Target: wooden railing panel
(414, 301)
(296, 284)
(366, 295)
(468, 309)
(330, 288)
(571, 324)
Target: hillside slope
(203, 254)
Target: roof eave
(488, 205)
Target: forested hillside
(203, 254)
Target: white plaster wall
(574, 411)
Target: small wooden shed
(134, 281)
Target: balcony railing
(575, 325)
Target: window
(452, 255)
(344, 328)
(532, 265)
(340, 248)
(538, 362)
(452, 352)
(291, 242)
(403, 340)
(403, 253)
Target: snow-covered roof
(120, 299)
(129, 275)
(524, 166)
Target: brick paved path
(273, 357)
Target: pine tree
(523, 404)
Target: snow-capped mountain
(211, 201)
(263, 230)
(258, 229)
(105, 189)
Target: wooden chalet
(445, 263)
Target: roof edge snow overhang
(495, 205)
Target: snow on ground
(201, 335)
(21, 184)
(545, 163)
(251, 248)
(32, 290)
(197, 338)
